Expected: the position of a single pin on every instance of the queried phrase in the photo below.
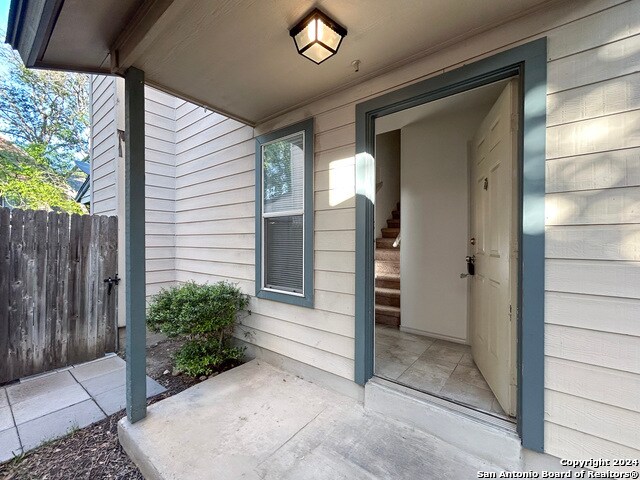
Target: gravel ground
(94, 452)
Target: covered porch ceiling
(236, 56)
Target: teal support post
(134, 249)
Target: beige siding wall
(160, 179)
(593, 210)
(215, 237)
(106, 180)
(593, 237)
(214, 197)
(104, 145)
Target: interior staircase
(388, 273)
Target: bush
(204, 316)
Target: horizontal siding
(160, 149)
(592, 309)
(595, 65)
(604, 385)
(215, 209)
(608, 422)
(603, 349)
(103, 154)
(215, 240)
(593, 242)
(609, 169)
(329, 362)
(572, 443)
(214, 198)
(182, 276)
(601, 134)
(213, 212)
(594, 312)
(302, 334)
(609, 97)
(220, 171)
(160, 136)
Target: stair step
(393, 223)
(396, 214)
(388, 296)
(387, 315)
(472, 432)
(390, 232)
(386, 243)
(388, 310)
(388, 254)
(388, 320)
(388, 281)
(384, 268)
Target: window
(284, 215)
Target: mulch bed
(90, 453)
(94, 452)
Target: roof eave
(43, 16)
(14, 22)
(82, 191)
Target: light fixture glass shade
(317, 37)
(317, 53)
(306, 36)
(328, 36)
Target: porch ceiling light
(317, 36)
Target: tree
(26, 183)
(45, 112)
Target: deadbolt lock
(472, 241)
(471, 265)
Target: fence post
(134, 245)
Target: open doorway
(446, 258)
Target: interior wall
(435, 224)
(387, 177)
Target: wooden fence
(54, 306)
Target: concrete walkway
(257, 422)
(48, 406)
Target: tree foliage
(276, 163)
(26, 183)
(45, 112)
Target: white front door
(493, 291)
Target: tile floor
(433, 366)
(48, 406)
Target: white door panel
(492, 225)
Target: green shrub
(204, 316)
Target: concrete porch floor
(258, 422)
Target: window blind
(284, 253)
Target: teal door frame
(529, 62)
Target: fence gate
(55, 309)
